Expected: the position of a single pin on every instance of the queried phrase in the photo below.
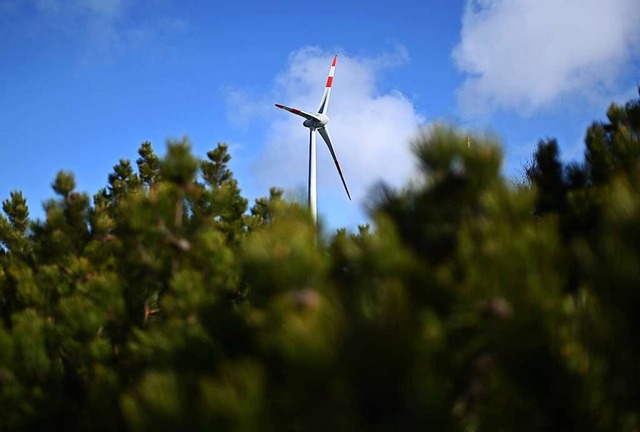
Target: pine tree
(148, 165)
(221, 197)
(548, 174)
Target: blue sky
(84, 82)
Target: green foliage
(179, 167)
(13, 228)
(167, 304)
(148, 165)
(547, 172)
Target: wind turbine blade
(324, 102)
(325, 136)
(296, 111)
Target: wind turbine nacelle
(316, 123)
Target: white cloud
(95, 24)
(242, 106)
(104, 10)
(371, 132)
(102, 27)
(528, 54)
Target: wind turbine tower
(318, 122)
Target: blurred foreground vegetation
(166, 304)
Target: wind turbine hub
(317, 122)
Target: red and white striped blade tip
(330, 77)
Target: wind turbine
(318, 121)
